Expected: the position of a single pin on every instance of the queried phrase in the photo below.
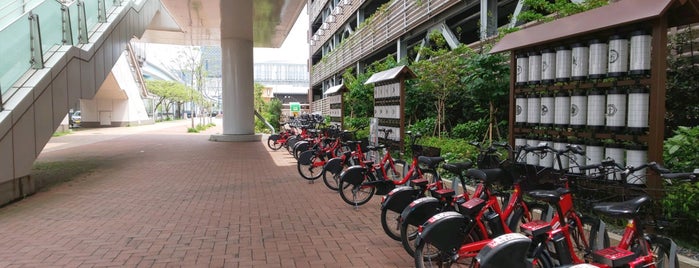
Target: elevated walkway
(38, 88)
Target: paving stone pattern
(164, 198)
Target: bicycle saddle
(549, 196)
(430, 162)
(457, 168)
(626, 209)
(487, 176)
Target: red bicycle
(456, 238)
(359, 183)
(635, 249)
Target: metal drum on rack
(532, 158)
(640, 53)
(548, 66)
(578, 109)
(581, 61)
(636, 155)
(596, 109)
(616, 152)
(547, 109)
(616, 109)
(598, 59)
(546, 160)
(639, 97)
(522, 69)
(563, 65)
(562, 109)
(534, 68)
(618, 56)
(521, 110)
(533, 109)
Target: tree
(682, 101)
(190, 64)
(273, 109)
(259, 101)
(168, 92)
(487, 80)
(440, 74)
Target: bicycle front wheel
(586, 238)
(274, 144)
(390, 221)
(312, 169)
(394, 172)
(331, 180)
(426, 255)
(663, 255)
(430, 175)
(355, 195)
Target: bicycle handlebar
(690, 176)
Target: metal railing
(259, 116)
(48, 23)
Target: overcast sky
(293, 50)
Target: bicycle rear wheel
(355, 195)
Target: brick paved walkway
(164, 198)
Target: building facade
(354, 33)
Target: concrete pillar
(489, 15)
(237, 72)
(401, 49)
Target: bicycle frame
(470, 250)
(560, 235)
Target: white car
(75, 119)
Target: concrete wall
(118, 101)
(37, 103)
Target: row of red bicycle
(502, 221)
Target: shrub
(681, 201)
(472, 130)
(680, 152)
(352, 123)
(453, 150)
(424, 126)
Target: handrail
(259, 116)
(136, 68)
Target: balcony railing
(316, 7)
(382, 28)
(347, 8)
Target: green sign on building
(295, 108)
